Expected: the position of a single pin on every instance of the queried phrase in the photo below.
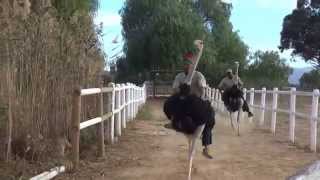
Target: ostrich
(233, 100)
(189, 113)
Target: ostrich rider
(229, 82)
(197, 88)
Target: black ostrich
(234, 101)
(189, 113)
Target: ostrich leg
(191, 153)
(192, 147)
(189, 144)
(231, 120)
(238, 122)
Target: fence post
(220, 103)
(313, 120)
(145, 92)
(140, 97)
(292, 116)
(251, 96)
(263, 105)
(135, 102)
(101, 150)
(244, 93)
(127, 102)
(212, 95)
(132, 101)
(274, 110)
(216, 98)
(110, 122)
(123, 111)
(118, 114)
(251, 100)
(75, 127)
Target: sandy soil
(148, 151)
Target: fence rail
(215, 96)
(126, 100)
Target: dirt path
(148, 151)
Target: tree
(68, 8)
(310, 80)
(158, 33)
(301, 31)
(267, 70)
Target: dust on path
(148, 151)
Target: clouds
(108, 19)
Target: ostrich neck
(193, 68)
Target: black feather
(233, 98)
(187, 112)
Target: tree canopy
(158, 33)
(267, 70)
(310, 80)
(301, 31)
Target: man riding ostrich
(189, 113)
(232, 95)
(229, 84)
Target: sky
(108, 14)
(259, 23)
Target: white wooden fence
(126, 100)
(215, 97)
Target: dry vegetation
(43, 58)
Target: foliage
(301, 31)
(310, 80)
(70, 7)
(158, 33)
(267, 70)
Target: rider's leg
(245, 107)
(207, 138)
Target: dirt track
(148, 151)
